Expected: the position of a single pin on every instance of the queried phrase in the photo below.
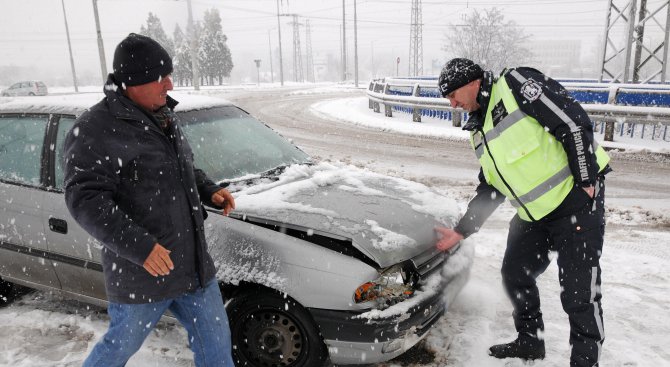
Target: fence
(631, 110)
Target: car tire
(8, 292)
(5, 95)
(31, 94)
(269, 329)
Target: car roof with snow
(76, 104)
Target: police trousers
(575, 232)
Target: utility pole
(355, 47)
(372, 59)
(416, 40)
(341, 54)
(281, 59)
(258, 71)
(298, 72)
(310, 57)
(344, 43)
(101, 46)
(69, 46)
(194, 48)
(272, 73)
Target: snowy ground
(43, 330)
(634, 263)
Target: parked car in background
(319, 260)
(27, 88)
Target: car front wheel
(8, 291)
(270, 330)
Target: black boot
(524, 347)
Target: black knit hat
(140, 60)
(457, 73)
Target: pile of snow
(329, 89)
(355, 111)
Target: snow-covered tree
(183, 72)
(154, 29)
(487, 39)
(214, 55)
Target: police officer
(536, 148)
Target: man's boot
(524, 347)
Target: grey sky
(32, 32)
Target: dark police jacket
(488, 198)
(130, 185)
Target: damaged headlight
(393, 285)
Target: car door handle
(58, 225)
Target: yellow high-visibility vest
(521, 159)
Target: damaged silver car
(320, 261)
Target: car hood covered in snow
(388, 219)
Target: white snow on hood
(390, 241)
(269, 196)
(314, 193)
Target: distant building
(558, 58)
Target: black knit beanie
(457, 73)
(140, 60)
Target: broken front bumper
(352, 339)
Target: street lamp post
(258, 71)
(355, 47)
(101, 46)
(272, 73)
(281, 61)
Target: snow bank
(355, 111)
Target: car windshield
(228, 143)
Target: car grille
(428, 262)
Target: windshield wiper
(271, 174)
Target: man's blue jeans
(201, 313)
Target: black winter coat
(129, 185)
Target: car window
(64, 125)
(24, 85)
(21, 140)
(228, 143)
(15, 86)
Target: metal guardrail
(421, 98)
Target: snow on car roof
(76, 104)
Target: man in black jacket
(536, 147)
(130, 182)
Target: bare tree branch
(487, 39)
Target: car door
(14, 89)
(25, 89)
(24, 254)
(78, 263)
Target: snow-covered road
(43, 330)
